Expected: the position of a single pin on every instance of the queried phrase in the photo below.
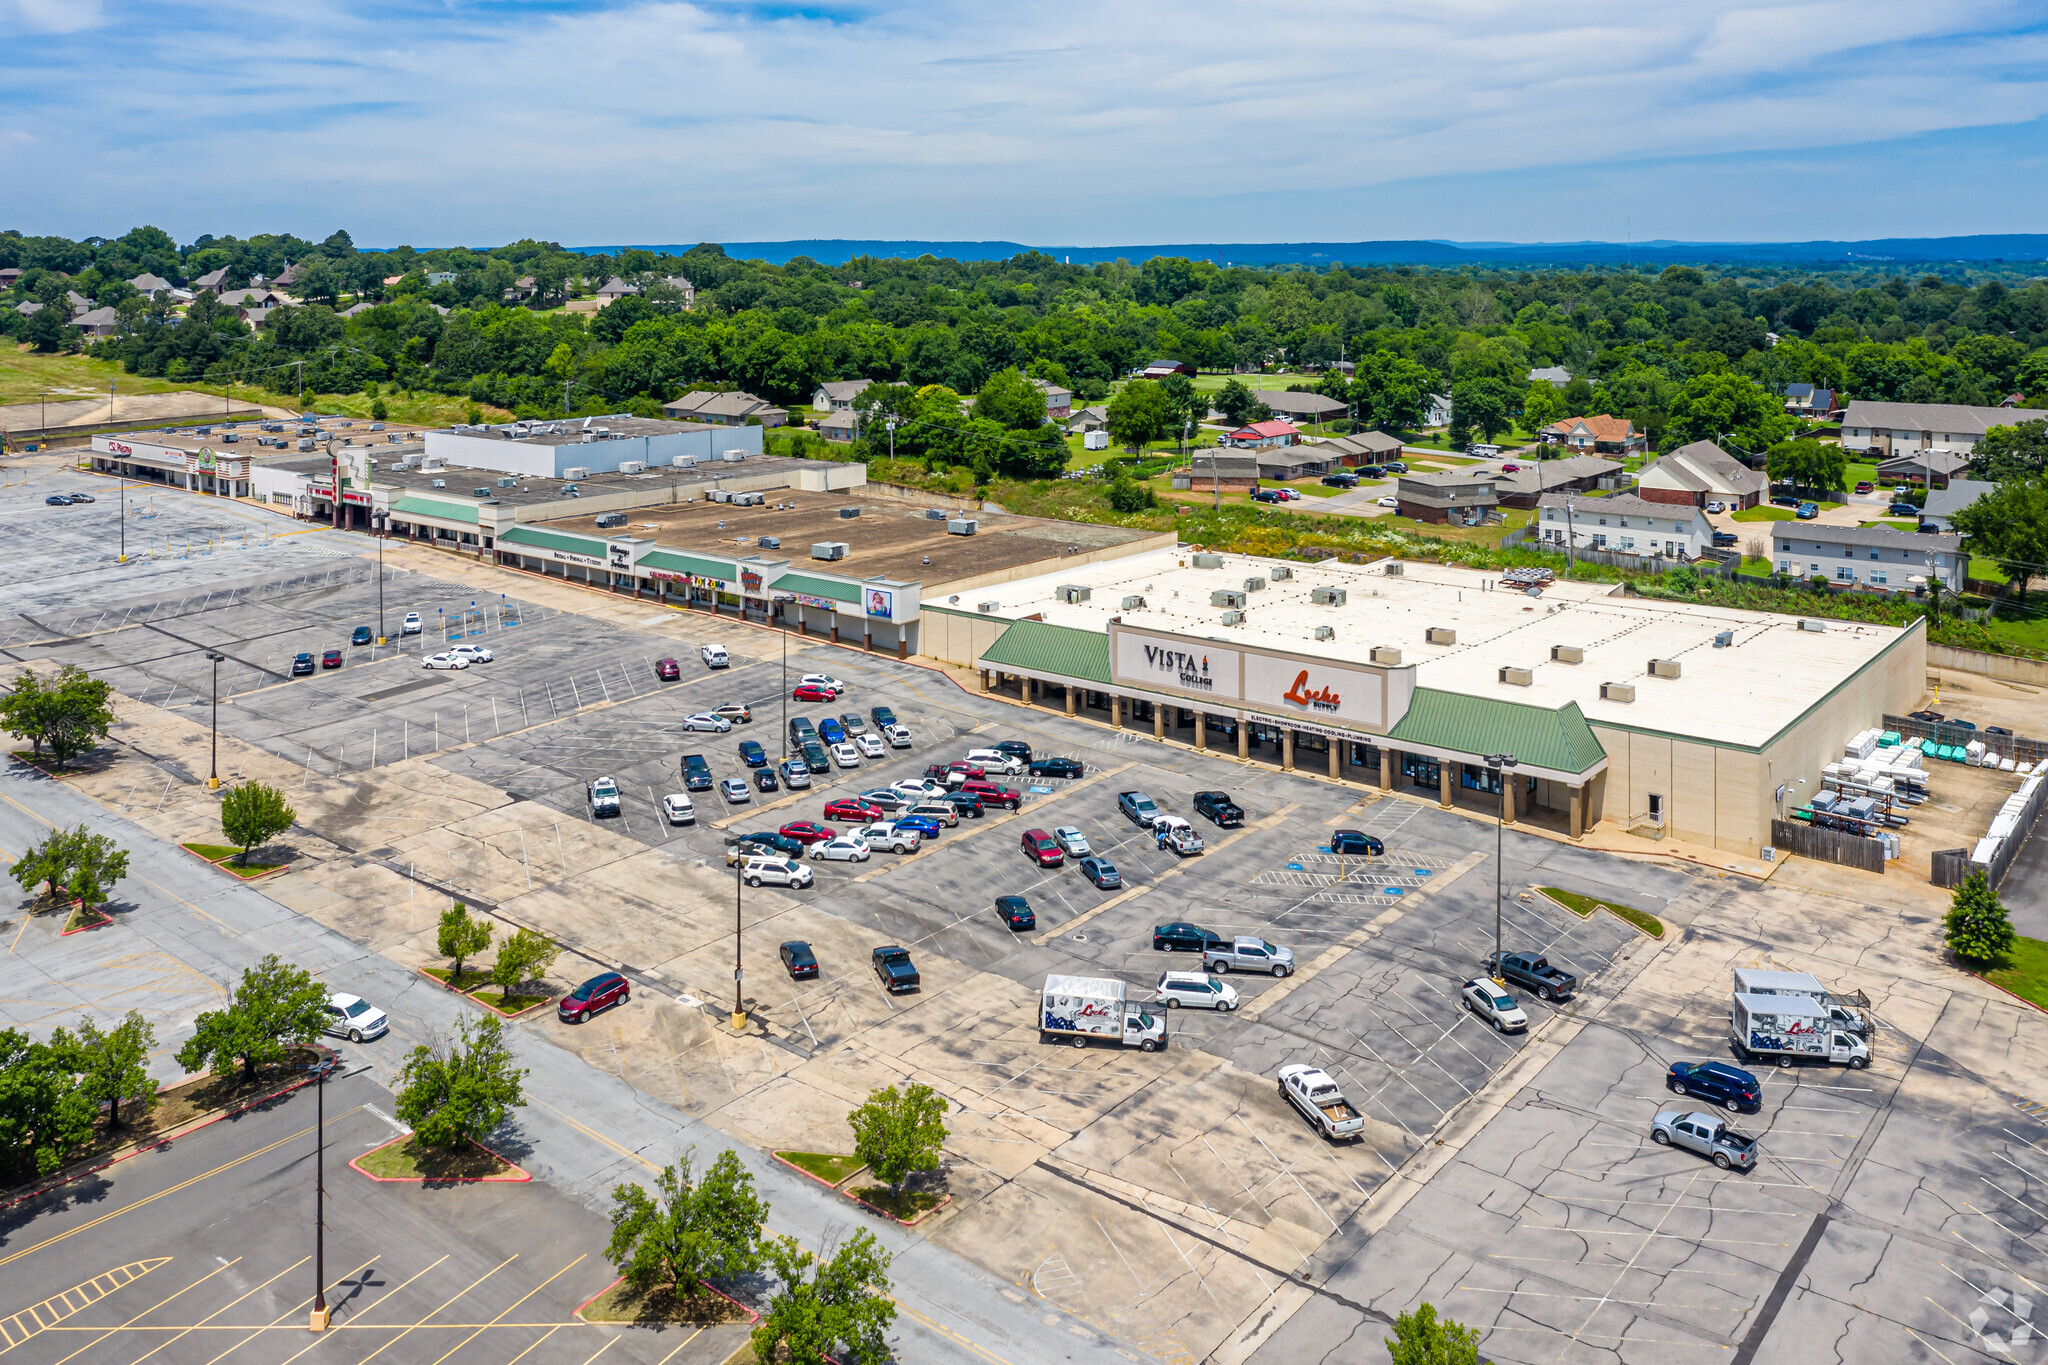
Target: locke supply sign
(1174, 663)
(1316, 690)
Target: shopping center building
(1669, 719)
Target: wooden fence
(1828, 845)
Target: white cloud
(19, 17)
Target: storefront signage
(1177, 664)
(621, 556)
(823, 603)
(1316, 699)
(120, 448)
(881, 602)
(350, 495)
(205, 460)
(1305, 689)
(750, 581)
(567, 558)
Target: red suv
(600, 992)
(1009, 798)
(1040, 848)
(848, 808)
(807, 832)
(813, 692)
(668, 670)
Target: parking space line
(222, 1309)
(443, 1304)
(107, 1332)
(522, 1299)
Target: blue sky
(1059, 124)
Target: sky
(597, 121)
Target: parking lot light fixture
(1503, 766)
(739, 976)
(379, 519)
(213, 767)
(321, 1314)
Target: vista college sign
(1192, 672)
(1315, 694)
(1175, 664)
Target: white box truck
(1085, 1007)
(1842, 1010)
(1792, 1028)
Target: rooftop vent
(830, 549)
(962, 526)
(1663, 668)
(849, 512)
(1326, 632)
(440, 483)
(578, 472)
(1328, 597)
(632, 466)
(1133, 603)
(770, 542)
(1233, 618)
(1072, 593)
(1617, 691)
(1815, 626)
(1518, 677)
(1724, 639)
(1255, 585)
(986, 607)
(1208, 561)
(1279, 573)
(1394, 569)
(934, 514)
(1567, 654)
(1225, 597)
(1440, 635)
(683, 462)
(508, 482)
(1381, 654)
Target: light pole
(321, 1314)
(1503, 765)
(121, 473)
(890, 422)
(379, 518)
(213, 775)
(784, 601)
(739, 975)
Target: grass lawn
(907, 1207)
(471, 977)
(411, 1160)
(1985, 569)
(213, 853)
(1586, 905)
(1764, 513)
(82, 916)
(623, 1303)
(2025, 972)
(1316, 488)
(247, 870)
(1859, 471)
(505, 1004)
(1213, 383)
(830, 1167)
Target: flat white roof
(1744, 693)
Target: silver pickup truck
(1707, 1135)
(1249, 954)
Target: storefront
(203, 470)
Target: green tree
(110, 1066)
(1390, 391)
(1484, 406)
(456, 1093)
(1542, 405)
(44, 1115)
(1010, 400)
(1186, 405)
(1127, 496)
(522, 961)
(252, 814)
(378, 412)
(1422, 1338)
(1709, 405)
(2011, 451)
(1138, 414)
(77, 863)
(820, 1309)
(276, 1009)
(898, 1132)
(1977, 929)
(1808, 465)
(68, 715)
(462, 935)
(689, 1229)
(1237, 404)
(2010, 524)
(47, 330)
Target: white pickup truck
(1176, 834)
(1310, 1089)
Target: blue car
(1102, 872)
(752, 754)
(925, 825)
(1807, 511)
(1728, 1086)
(831, 731)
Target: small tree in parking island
(522, 961)
(688, 1229)
(276, 1008)
(1978, 930)
(1422, 1338)
(462, 936)
(834, 1307)
(252, 814)
(76, 863)
(452, 1094)
(899, 1132)
(109, 1065)
(68, 715)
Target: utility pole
(1571, 536)
(380, 519)
(890, 422)
(739, 975)
(121, 471)
(213, 772)
(1503, 766)
(322, 1315)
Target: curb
(102, 922)
(518, 1176)
(2014, 994)
(854, 1198)
(752, 1317)
(810, 1176)
(544, 1000)
(1602, 905)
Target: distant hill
(2011, 248)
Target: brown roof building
(1603, 433)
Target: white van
(1195, 991)
(714, 656)
(993, 760)
(776, 872)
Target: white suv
(992, 760)
(776, 872)
(679, 809)
(714, 656)
(1195, 991)
(412, 624)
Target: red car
(668, 670)
(331, 659)
(813, 692)
(1040, 848)
(1009, 798)
(807, 832)
(1510, 469)
(848, 808)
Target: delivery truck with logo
(1792, 1028)
(1085, 1008)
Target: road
(586, 1130)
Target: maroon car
(813, 692)
(668, 670)
(600, 992)
(807, 832)
(850, 808)
(1040, 848)
(1009, 798)
(330, 659)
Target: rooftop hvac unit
(1326, 632)
(1208, 561)
(1327, 597)
(749, 499)
(479, 492)
(632, 466)
(508, 482)
(1394, 569)
(440, 483)
(1617, 691)
(1255, 585)
(1567, 654)
(986, 607)
(1233, 618)
(1133, 603)
(1280, 573)
(720, 495)
(1815, 626)
(848, 512)
(1440, 635)
(934, 514)
(829, 549)
(683, 462)
(1072, 593)
(306, 443)
(962, 526)
(579, 472)
(1663, 668)
(586, 438)
(1724, 639)
(1382, 654)
(1518, 677)
(734, 456)
(1225, 597)
(770, 542)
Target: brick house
(1604, 434)
(1701, 473)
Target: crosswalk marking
(53, 1310)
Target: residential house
(98, 322)
(730, 409)
(1944, 503)
(1439, 412)
(1301, 408)
(1212, 470)
(1262, 435)
(1088, 419)
(28, 308)
(79, 302)
(1806, 400)
(1608, 435)
(216, 280)
(1879, 557)
(1889, 430)
(288, 276)
(257, 297)
(616, 288)
(1572, 474)
(1287, 463)
(1453, 496)
(147, 284)
(1059, 402)
(1159, 369)
(840, 424)
(1928, 468)
(1361, 448)
(1556, 375)
(257, 317)
(838, 395)
(1625, 524)
(9, 276)
(683, 286)
(1701, 473)
(522, 289)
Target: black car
(362, 636)
(1015, 911)
(1902, 509)
(1054, 767)
(1355, 841)
(894, 969)
(1102, 872)
(1340, 480)
(1728, 1086)
(56, 500)
(882, 716)
(1013, 746)
(1218, 807)
(969, 804)
(752, 754)
(764, 778)
(1394, 467)
(1724, 538)
(797, 956)
(768, 839)
(600, 992)
(1267, 495)
(1371, 471)
(1180, 937)
(302, 665)
(1787, 500)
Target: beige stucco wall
(956, 637)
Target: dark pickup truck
(1219, 807)
(1534, 972)
(894, 969)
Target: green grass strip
(1586, 905)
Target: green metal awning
(817, 587)
(1062, 651)
(554, 540)
(1538, 736)
(429, 507)
(675, 561)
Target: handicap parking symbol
(1294, 867)
(1041, 791)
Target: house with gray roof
(616, 288)
(1625, 524)
(1362, 448)
(98, 322)
(1208, 470)
(1930, 467)
(1881, 558)
(1944, 503)
(1572, 474)
(733, 408)
(1701, 473)
(212, 279)
(1556, 375)
(147, 284)
(1301, 407)
(1890, 430)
